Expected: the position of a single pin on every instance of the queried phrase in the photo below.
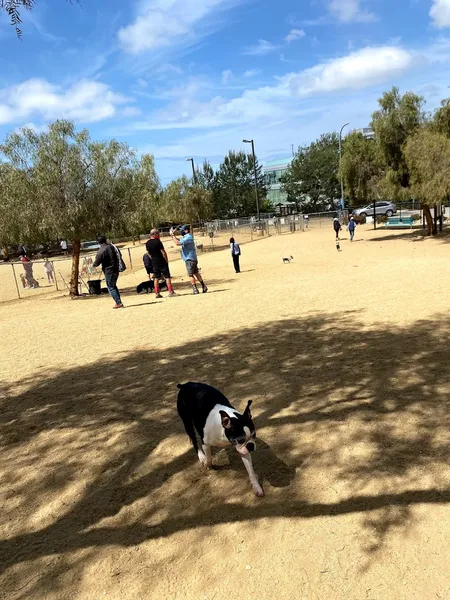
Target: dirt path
(345, 356)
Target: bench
(399, 222)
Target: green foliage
(234, 188)
(398, 118)
(360, 168)
(441, 118)
(186, 203)
(427, 155)
(312, 178)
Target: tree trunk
(428, 218)
(76, 245)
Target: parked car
(381, 208)
(90, 246)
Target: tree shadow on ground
(366, 409)
(411, 235)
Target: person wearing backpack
(110, 259)
(236, 254)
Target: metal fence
(215, 235)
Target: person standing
(189, 255)
(306, 220)
(236, 254)
(160, 263)
(48, 268)
(351, 228)
(63, 245)
(108, 258)
(337, 227)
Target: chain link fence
(16, 283)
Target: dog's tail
(185, 415)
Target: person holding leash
(189, 255)
(351, 228)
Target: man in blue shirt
(189, 255)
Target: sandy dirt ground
(344, 355)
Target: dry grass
(344, 355)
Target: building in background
(367, 132)
(273, 172)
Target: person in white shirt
(48, 268)
(236, 254)
(63, 245)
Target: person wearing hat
(189, 255)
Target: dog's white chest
(214, 433)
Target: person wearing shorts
(160, 262)
(189, 255)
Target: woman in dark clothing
(236, 254)
(336, 226)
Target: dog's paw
(259, 492)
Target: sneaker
(172, 294)
(118, 306)
(205, 289)
(158, 295)
(195, 291)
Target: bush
(360, 220)
(416, 217)
(381, 219)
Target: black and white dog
(205, 409)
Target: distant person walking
(351, 228)
(21, 251)
(160, 263)
(109, 259)
(48, 268)
(63, 245)
(236, 254)
(336, 226)
(306, 221)
(189, 255)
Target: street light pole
(340, 164)
(255, 174)
(194, 174)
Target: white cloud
(440, 13)
(161, 23)
(362, 69)
(350, 11)
(357, 70)
(252, 73)
(85, 101)
(261, 48)
(226, 76)
(294, 34)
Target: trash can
(95, 287)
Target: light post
(194, 174)
(340, 164)
(254, 169)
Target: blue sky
(182, 78)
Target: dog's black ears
(226, 421)
(247, 412)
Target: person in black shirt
(107, 257)
(160, 262)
